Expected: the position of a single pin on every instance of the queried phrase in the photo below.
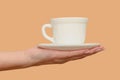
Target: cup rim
(69, 19)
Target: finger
(94, 50)
(70, 53)
(81, 56)
(84, 51)
(94, 47)
(75, 58)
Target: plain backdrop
(20, 29)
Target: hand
(40, 56)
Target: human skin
(39, 56)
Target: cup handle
(44, 32)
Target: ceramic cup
(66, 30)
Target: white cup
(67, 30)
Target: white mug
(67, 30)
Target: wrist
(34, 57)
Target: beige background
(20, 28)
